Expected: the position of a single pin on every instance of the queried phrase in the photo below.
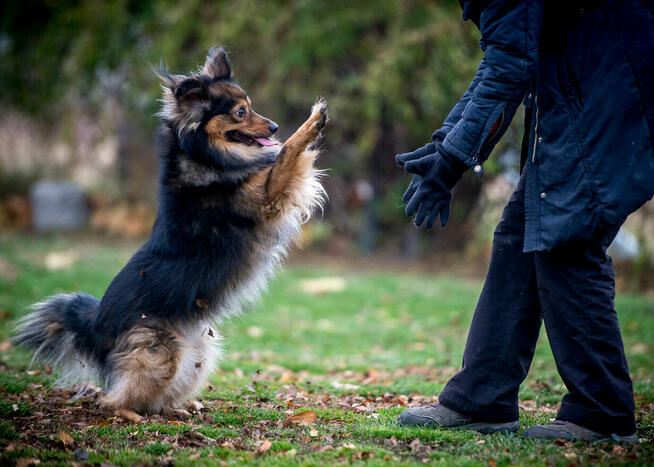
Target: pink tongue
(266, 142)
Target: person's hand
(401, 159)
(429, 148)
(439, 173)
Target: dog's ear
(217, 65)
(189, 88)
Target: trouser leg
(576, 289)
(504, 328)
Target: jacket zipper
(533, 154)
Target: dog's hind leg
(293, 168)
(141, 369)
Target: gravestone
(58, 205)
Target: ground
(316, 373)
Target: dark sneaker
(437, 415)
(568, 431)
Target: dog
(232, 200)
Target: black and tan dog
(231, 203)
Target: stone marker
(58, 205)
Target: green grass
(352, 356)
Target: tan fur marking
(293, 171)
(53, 329)
(143, 363)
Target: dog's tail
(58, 332)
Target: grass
(354, 356)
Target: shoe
(568, 431)
(437, 415)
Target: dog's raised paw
(319, 111)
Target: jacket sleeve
(457, 111)
(510, 31)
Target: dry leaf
(47, 369)
(323, 285)
(59, 260)
(175, 422)
(5, 346)
(313, 433)
(302, 418)
(349, 446)
(27, 462)
(291, 453)
(492, 463)
(66, 439)
(263, 448)
(33, 372)
(128, 415)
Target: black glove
(401, 159)
(439, 172)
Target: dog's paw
(319, 113)
(171, 412)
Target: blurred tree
(390, 69)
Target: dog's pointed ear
(188, 88)
(217, 65)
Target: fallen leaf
(313, 433)
(58, 260)
(33, 372)
(5, 346)
(290, 453)
(47, 369)
(27, 461)
(323, 285)
(128, 415)
(639, 348)
(14, 407)
(349, 446)
(175, 422)
(263, 448)
(415, 444)
(344, 386)
(302, 418)
(492, 463)
(66, 439)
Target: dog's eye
(240, 113)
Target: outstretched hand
(430, 191)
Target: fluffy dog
(231, 203)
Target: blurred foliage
(390, 69)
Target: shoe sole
(489, 428)
(553, 436)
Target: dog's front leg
(294, 163)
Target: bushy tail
(56, 330)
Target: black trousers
(571, 289)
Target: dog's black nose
(273, 127)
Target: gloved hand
(401, 159)
(439, 172)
